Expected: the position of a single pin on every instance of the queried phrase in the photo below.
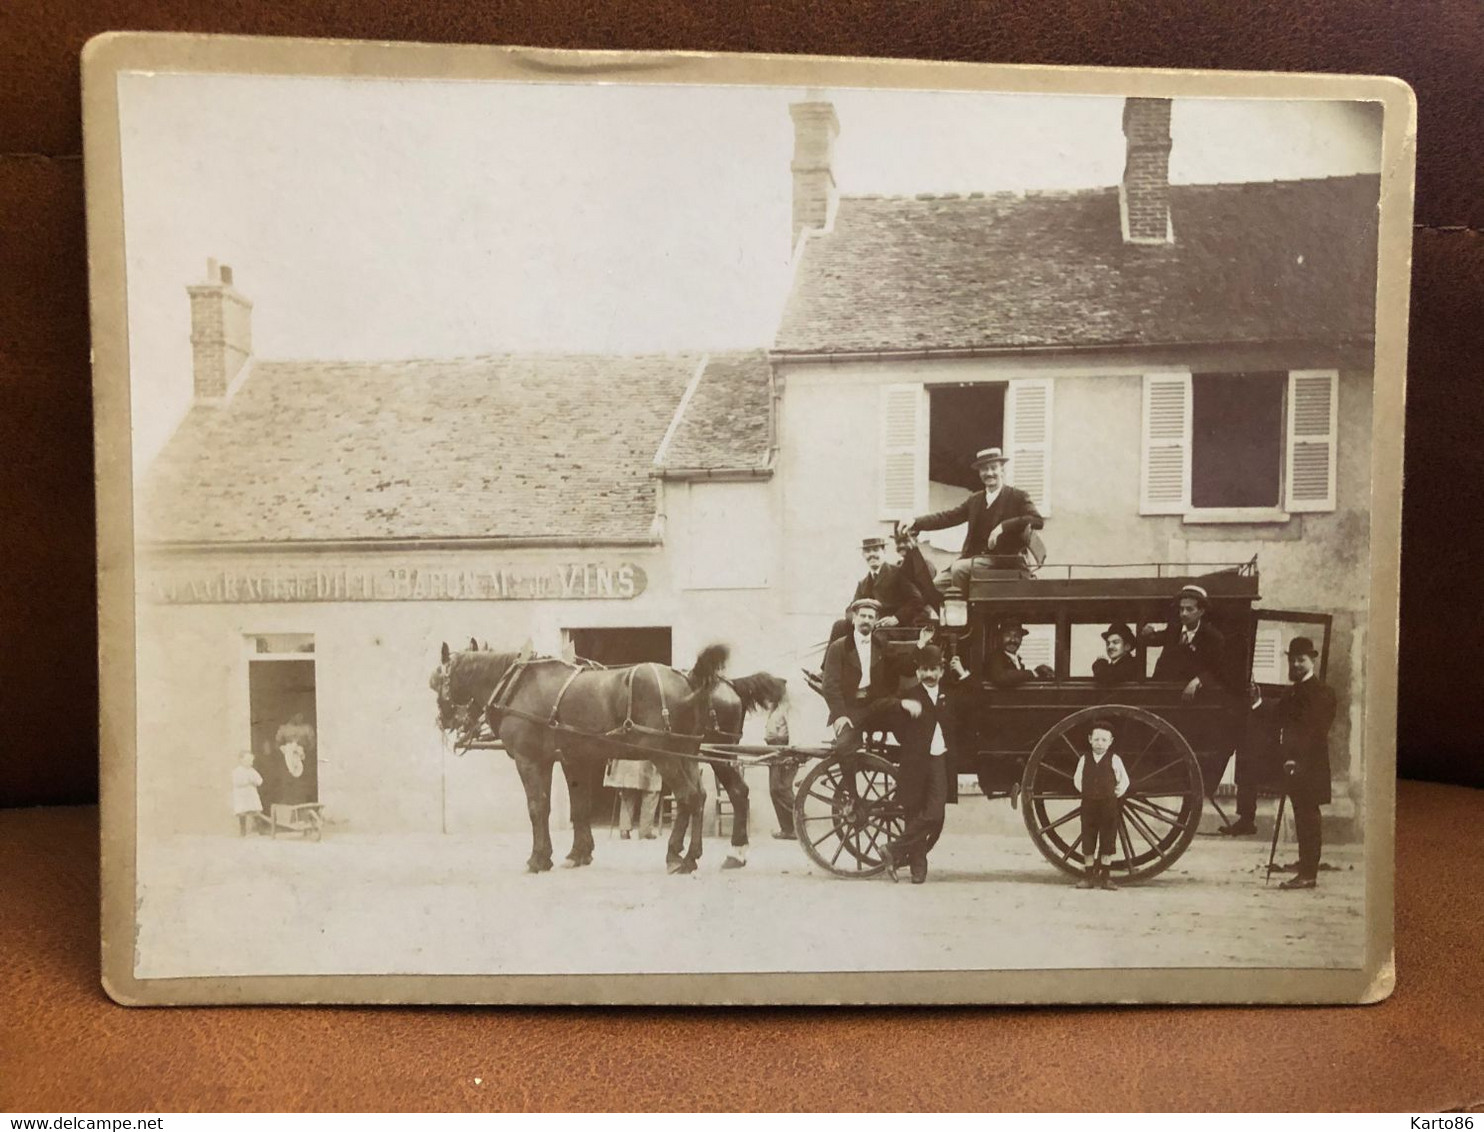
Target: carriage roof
(1101, 585)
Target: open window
(930, 433)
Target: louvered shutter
(1164, 487)
(1312, 411)
(1028, 438)
(904, 451)
(1267, 655)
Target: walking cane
(1277, 827)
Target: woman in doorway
(638, 784)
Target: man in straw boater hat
(901, 602)
(1193, 651)
(1000, 519)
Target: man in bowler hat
(925, 730)
(1000, 519)
(1121, 664)
(1304, 715)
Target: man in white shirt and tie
(1192, 649)
(925, 728)
(860, 679)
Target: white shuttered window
(1164, 484)
(1312, 396)
(904, 451)
(1028, 438)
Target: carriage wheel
(846, 811)
(1159, 814)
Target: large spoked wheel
(846, 811)
(1158, 816)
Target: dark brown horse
(731, 701)
(552, 710)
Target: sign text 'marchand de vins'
(571, 581)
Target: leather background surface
(48, 694)
(64, 1047)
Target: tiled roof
(1267, 261)
(549, 446)
(725, 424)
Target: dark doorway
(622, 646)
(962, 419)
(281, 701)
(614, 648)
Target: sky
(380, 219)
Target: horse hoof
(733, 863)
(538, 866)
(673, 867)
(686, 867)
(576, 862)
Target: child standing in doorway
(1102, 781)
(246, 803)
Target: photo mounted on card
(649, 528)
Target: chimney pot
(815, 195)
(1144, 194)
(221, 333)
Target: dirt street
(464, 905)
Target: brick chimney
(815, 130)
(1144, 195)
(221, 332)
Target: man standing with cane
(1305, 715)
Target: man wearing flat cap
(1303, 716)
(1000, 519)
(1193, 651)
(1122, 661)
(860, 678)
(1004, 666)
(925, 729)
(901, 601)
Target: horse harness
(498, 705)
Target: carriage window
(1039, 646)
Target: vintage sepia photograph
(588, 525)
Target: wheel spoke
(1038, 797)
(1135, 812)
(1177, 761)
(1044, 765)
(1047, 828)
(833, 829)
(1155, 809)
(838, 851)
(1145, 832)
(1128, 848)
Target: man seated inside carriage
(902, 603)
(1000, 520)
(861, 675)
(1005, 667)
(1122, 661)
(1193, 651)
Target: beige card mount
(665, 528)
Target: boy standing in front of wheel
(1102, 781)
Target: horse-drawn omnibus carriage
(1021, 742)
(1024, 742)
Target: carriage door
(1273, 630)
(617, 647)
(284, 722)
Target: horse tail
(760, 690)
